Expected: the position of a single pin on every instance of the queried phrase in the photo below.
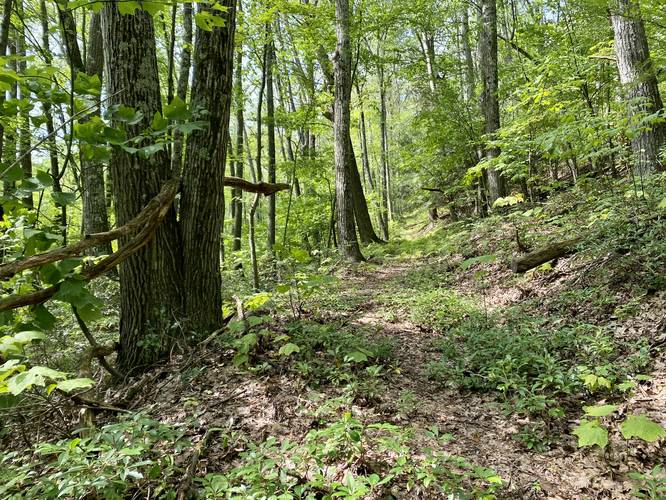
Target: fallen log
(543, 255)
(265, 188)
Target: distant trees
(639, 81)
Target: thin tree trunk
(24, 114)
(48, 115)
(270, 122)
(343, 152)
(489, 100)
(4, 40)
(240, 127)
(183, 83)
(95, 218)
(385, 213)
(639, 80)
(203, 189)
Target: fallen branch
(265, 188)
(543, 255)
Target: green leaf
(64, 199)
(643, 428)
(356, 357)
(29, 336)
(75, 383)
(207, 20)
(176, 110)
(159, 123)
(590, 433)
(288, 349)
(599, 411)
(662, 203)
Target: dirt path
(483, 433)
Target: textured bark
(270, 125)
(95, 218)
(183, 83)
(203, 174)
(341, 125)
(639, 80)
(489, 99)
(361, 214)
(151, 293)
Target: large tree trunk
(205, 157)
(489, 99)
(151, 295)
(183, 82)
(341, 125)
(639, 79)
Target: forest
(319, 249)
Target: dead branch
(265, 188)
(543, 254)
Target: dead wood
(543, 255)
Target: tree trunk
(270, 122)
(385, 213)
(205, 158)
(95, 218)
(183, 82)
(48, 115)
(24, 115)
(638, 77)
(341, 125)
(237, 199)
(151, 295)
(467, 55)
(4, 40)
(489, 99)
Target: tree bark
(95, 218)
(151, 295)
(203, 174)
(489, 99)
(4, 40)
(183, 83)
(341, 125)
(638, 77)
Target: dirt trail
(483, 433)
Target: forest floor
(466, 358)
(430, 370)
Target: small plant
(592, 431)
(650, 485)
